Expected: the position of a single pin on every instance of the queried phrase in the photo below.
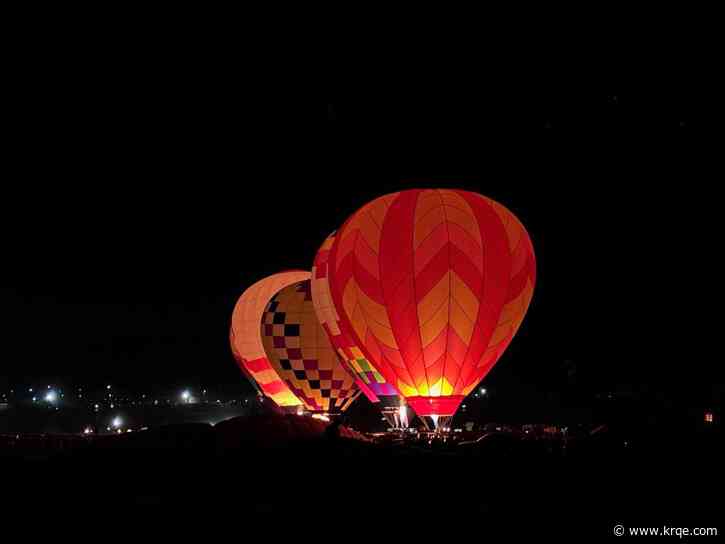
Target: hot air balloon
(300, 352)
(240, 362)
(368, 379)
(432, 285)
(246, 340)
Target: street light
(117, 422)
(51, 396)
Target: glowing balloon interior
(431, 286)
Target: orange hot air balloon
(301, 353)
(432, 285)
(240, 362)
(246, 340)
(367, 377)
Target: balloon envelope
(240, 362)
(300, 352)
(432, 285)
(370, 381)
(246, 340)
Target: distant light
(48, 387)
(156, 403)
(119, 431)
(87, 430)
(112, 406)
(95, 407)
(129, 430)
(709, 418)
(321, 417)
(402, 416)
(108, 387)
(51, 396)
(34, 399)
(30, 390)
(185, 395)
(117, 422)
(483, 390)
(300, 411)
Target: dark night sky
(143, 198)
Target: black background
(148, 184)
(156, 164)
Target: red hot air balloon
(432, 285)
(367, 377)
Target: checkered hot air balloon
(301, 354)
(370, 381)
(246, 340)
(432, 285)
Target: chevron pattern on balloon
(432, 285)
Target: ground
(191, 474)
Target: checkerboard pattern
(301, 353)
(361, 367)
